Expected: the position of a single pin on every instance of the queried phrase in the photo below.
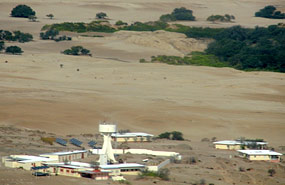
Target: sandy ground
(35, 93)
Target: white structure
(106, 130)
(260, 155)
(237, 144)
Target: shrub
(165, 135)
(178, 14)
(175, 135)
(15, 36)
(221, 18)
(2, 45)
(271, 172)
(101, 15)
(14, 50)
(76, 50)
(270, 12)
(22, 11)
(50, 16)
(120, 23)
(162, 173)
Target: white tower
(106, 130)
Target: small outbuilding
(132, 137)
(260, 155)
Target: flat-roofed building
(123, 169)
(260, 155)
(237, 145)
(24, 161)
(67, 156)
(132, 137)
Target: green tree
(177, 135)
(101, 15)
(270, 12)
(165, 135)
(183, 14)
(50, 16)
(22, 11)
(14, 50)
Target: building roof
(233, 142)
(131, 134)
(29, 158)
(65, 153)
(71, 164)
(123, 165)
(259, 152)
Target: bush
(76, 50)
(101, 15)
(22, 11)
(15, 36)
(175, 135)
(271, 172)
(120, 23)
(270, 12)
(162, 173)
(14, 50)
(2, 45)
(221, 18)
(182, 14)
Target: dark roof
(39, 167)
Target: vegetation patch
(270, 12)
(221, 18)
(162, 174)
(53, 35)
(251, 49)
(15, 36)
(77, 50)
(181, 14)
(15, 50)
(80, 27)
(174, 135)
(196, 58)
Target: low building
(123, 169)
(96, 174)
(67, 156)
(260, 155)
(132, 137)
(238, 145)
(24, 161)
(71, 169)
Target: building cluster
(64, 163)
(254, 150)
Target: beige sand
(198, 101)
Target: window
(61, 170)
(67, 171)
